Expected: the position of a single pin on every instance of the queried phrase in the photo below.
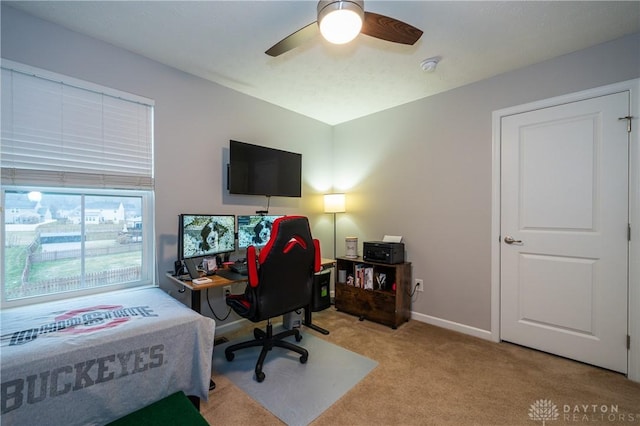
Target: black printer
(383, 252)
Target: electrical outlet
(226, 290)
(419, 283)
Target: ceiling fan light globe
(340, 21)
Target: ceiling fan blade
(294, 40)
(385, 28)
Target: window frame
(148, 269)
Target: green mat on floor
(174, 410)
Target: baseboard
(438, 322)
(230, 327)
(454, 326)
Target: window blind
(58, 131)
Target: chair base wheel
(267, 341)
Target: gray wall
(194, 120)
(423, 170)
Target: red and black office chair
(280, 281)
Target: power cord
(214, 312)
(264, 212)
(413, 292)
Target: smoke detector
(430, 64)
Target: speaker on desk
(321, 298)
(178, 267)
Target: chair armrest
(252, 266)
(317, 266)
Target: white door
(564, 230)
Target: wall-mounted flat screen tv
(258, 170)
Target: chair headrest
(287, 233)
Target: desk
(216, 281)
(220, 281)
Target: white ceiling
(224, 41)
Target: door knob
(509, 240)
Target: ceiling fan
(340, 21)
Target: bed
(94, 359)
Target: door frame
(633, 320)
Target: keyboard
(239, 268)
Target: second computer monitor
(254, 230)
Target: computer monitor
(202, 235)
(254, 230)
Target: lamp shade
(340, 21)
(334, 203)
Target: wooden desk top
(327, 263)
(216, 281)
(220, 281)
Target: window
(77, 187)
(60, 241)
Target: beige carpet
(431, 376)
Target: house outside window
(77, 187)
